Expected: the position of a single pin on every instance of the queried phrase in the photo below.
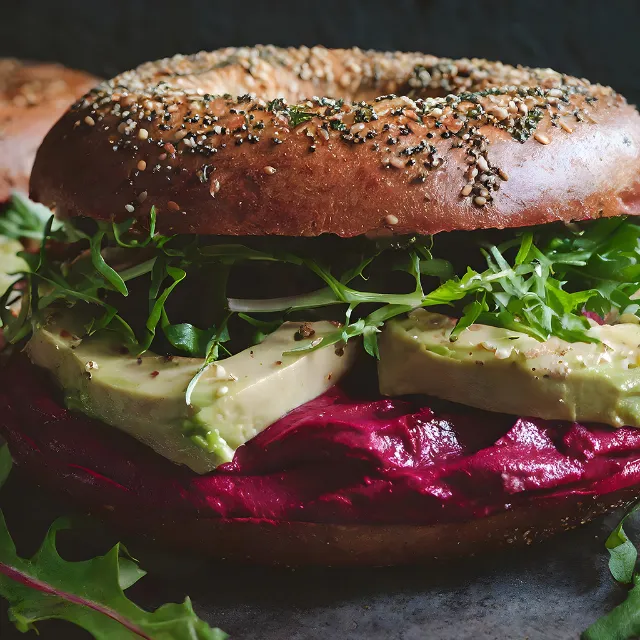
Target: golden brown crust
(502, 146)
(32, 97)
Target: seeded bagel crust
(241, 142)
(32, 97)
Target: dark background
(549, 592)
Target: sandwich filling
(341, 458)
(220, 352)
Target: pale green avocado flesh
(510, 372)
(145, 397)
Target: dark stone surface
(547, 592)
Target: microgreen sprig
(539, 281)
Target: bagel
(405, 141)
(32, 97)
(247, 178)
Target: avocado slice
(233, 401)
(510, 372)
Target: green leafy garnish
(25, 219)
(220, 336)
(539, 280)
(89, 594)
(623, 622)
(109, 274)
(622, 552)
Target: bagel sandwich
(334, 306)
(32, 97)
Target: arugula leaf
(538, 281)
(262, 327)
(370, 341)
(177, 275)
(623, 623)
(109, 274)
(188, 338)
(213, 352)
(623, 554)
(471, 313)
(24, 218)
(89, 593)
(120, 228)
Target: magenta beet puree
(334, 459)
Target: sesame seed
(391, 219)
(500, 113)
(214, 188)
(142, 196)
(129, 207)
(480, 201)
(474, 94)
(222, 391)
(269, 170)
(90, 121)
(503, 174)
(466, 190)
(483, 192)
(542, 138)
(565, 126)
(219, 371)
(173, 206)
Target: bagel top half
(301, 142)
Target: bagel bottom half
(73, 454)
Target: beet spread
(335, 459)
